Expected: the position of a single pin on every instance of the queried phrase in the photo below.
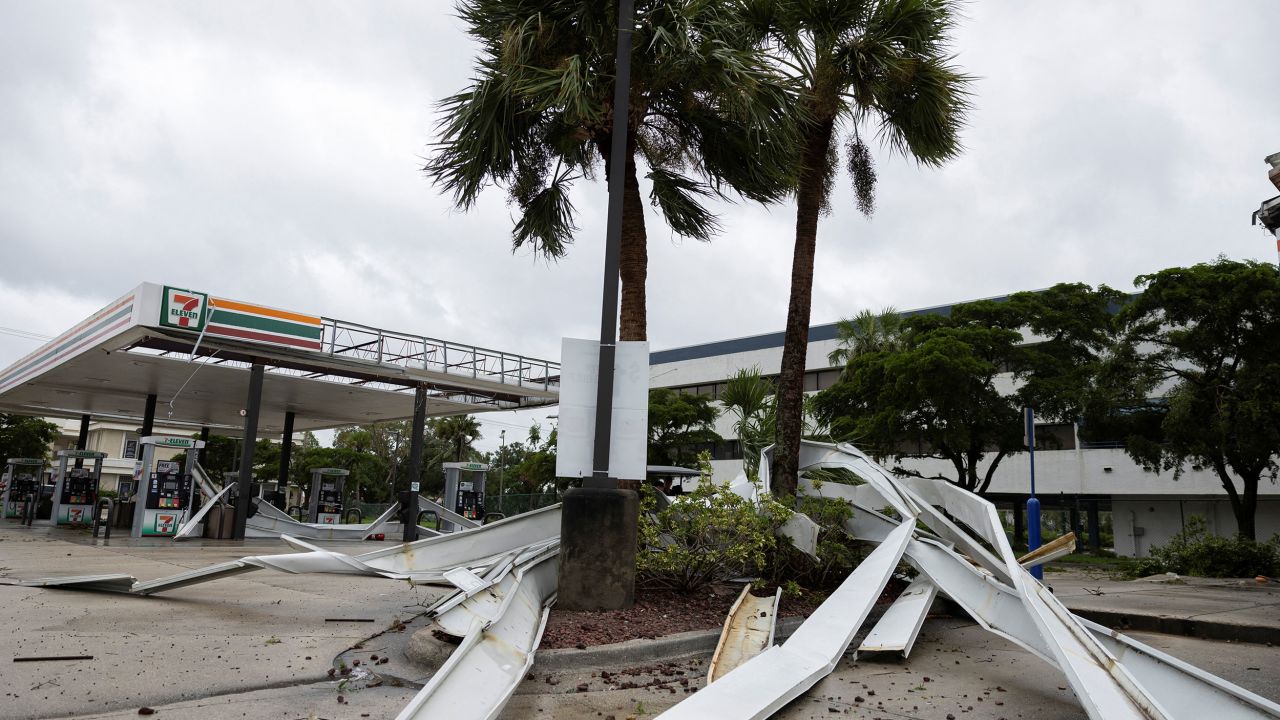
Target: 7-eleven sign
(183, 309)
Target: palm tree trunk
(633, 260)
(796, 343)
(633, 264)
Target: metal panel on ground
(481, 674)
(748, 631)
(765, 683)
(901, 623)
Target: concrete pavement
(259, 630)
(258, 645)
(1218, 609)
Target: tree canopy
(937, 388)
(1194, 377)
(707, 118)
(27, 437)
(678, 424)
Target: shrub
(1196, 552)
(705, 536)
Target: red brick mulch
(656, 613)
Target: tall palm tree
(866, 332)
(707, 119)
(878, 67)
(459, 432)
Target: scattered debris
(52, 658)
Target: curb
(635, 652)
(1189, 627)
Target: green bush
(1196, 552)
(706, 536)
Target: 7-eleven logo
(183, 309)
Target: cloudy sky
(270, 151)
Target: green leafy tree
(27, 437)
(1194, 378)
(882, 67)
(707, 119)
(536, 473)
(935, 397)
(938, 390)
(678, 424)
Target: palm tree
(707, 119)
(866, 332)
(459, 432)
(750, 397)
(878, 67)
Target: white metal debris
(1113, 676)
(898, 627)
(766, 682)
(501, 629)
(424, 561)
(748, 631)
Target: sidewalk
(1216, 609)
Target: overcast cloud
(270, 151)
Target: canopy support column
(286, 452)
(245, 481)
(410, 498)
(82, 440)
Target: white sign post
(629, 434)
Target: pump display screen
(22, 484)
(79, 487)
(168, 491)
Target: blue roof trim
(817, 333)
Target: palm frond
(546, 225)
(677, 197)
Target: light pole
(502, 467)
(598, 521)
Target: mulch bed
(656, 613)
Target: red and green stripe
(243, 321)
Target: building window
(827, 378)
(130, 448)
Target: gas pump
(22, 481)
(324, 503)
(465, 497)
(164, 487)
(75, 489)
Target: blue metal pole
(1033, 505)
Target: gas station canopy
(193, 352)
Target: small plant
(273, 640)
(1196, 552)
(706, 536)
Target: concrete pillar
(82, 440)
(286, 453)
(245, 481)
(598, 549)
(409, 499)
(1075, 527)
(1095, 525)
